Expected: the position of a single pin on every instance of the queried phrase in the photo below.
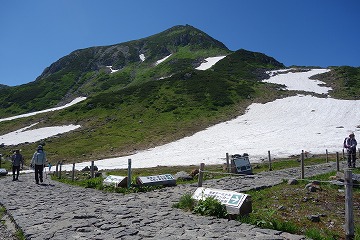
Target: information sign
(165, 179)
(236, 203)
(242, 165)
(118, 181)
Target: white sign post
(236, 203)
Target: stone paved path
(58, 211)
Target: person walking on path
(350, 145)
(17, 161)
(38, 161)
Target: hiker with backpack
(350, 146)
(38, 161)
(17, 160)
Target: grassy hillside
(121, 121)
(345, 82)
(85, 72)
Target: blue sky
(36, 33)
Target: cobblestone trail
(54, 210)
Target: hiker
(17, 160)
(38, 161)
(350, 145)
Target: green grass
(287, 207)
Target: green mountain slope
(86, 71)
(144, 104)
(140, 116)
(344, 80)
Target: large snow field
(284, 127)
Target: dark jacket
(350, 144)
(17, 160)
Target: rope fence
(58, 169)
(348, 182)
(348, 185)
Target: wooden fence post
(302, 165)
(60, 170)
(343, 154)
(227, 162)
(327, 156)
(92, 169)
(349, 216)
(337, 162)
(129, 174)
(270, 167)
(73, 173)
(57, 169)
(201, 174)
(0, 159)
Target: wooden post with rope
(302, 165)
(92, 169)
(269, 156)
(349, 214)
(60, 170)
(327, 156)
(201, 174)
(57, 169)
(129, 174)
(73, 172)
(227, 162)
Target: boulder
(3, 172)
(182, 175)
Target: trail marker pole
(270, 168)
(57, 169)
(92, 169)
(327, 156)
(227, 162)
(129, 174)
(201, 174)
(60, 170)
(349, 215)
(73, 173)
(337, 162)
(302, 165)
